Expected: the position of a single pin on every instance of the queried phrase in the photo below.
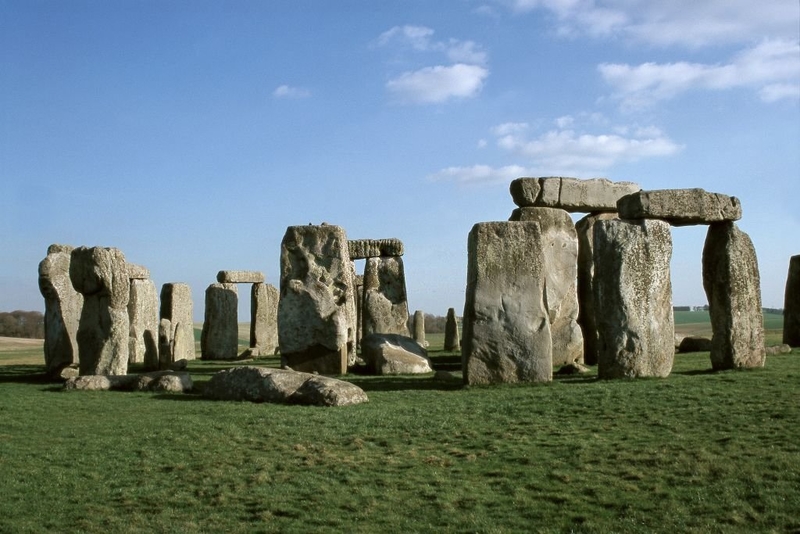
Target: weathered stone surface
(176, 307)
(261, 384)
(219, 339)
(571, 369)
(680, 207)
(452, 341)
(159, 381)
(560, 244)
(137, 272)
(240, 277)
(419, 327)
(264, 318)
(632, 285)
(62, 310)
(143, 316)
(358, 291)
(316, 312)
(570, 194)
(694, 344)
(791, 304)
(778, 349)
(733, 287)
(101, 275)
(393, 354)
(374, 248)
(506, 334)
(385, 307)
(587, 311)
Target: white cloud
(433, 85)
(418, 37)
(773, 63)
(480, 174)
(779, 91)
(287, 91)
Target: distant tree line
(29, 324)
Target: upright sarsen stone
(385, 307)
(264, 318)
(506, 335)
(733, 287)
(451, 337)
(62, 309)
(176, 307)
(791, 304)
(316, 312)
(633, 298)
(143, 315)
(419, 327)
(219, 339)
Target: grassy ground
(696, 452)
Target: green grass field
(695, 452)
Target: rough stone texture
(101, 275)
(632, 284)
(264, 318)
(778, 349)
(143, 316)
(219, 339)
(680, 207)
(159, 381)
(570, 194)
(176, 307)
(374, 248)
(733, 288)
(358, 291)
(385, 307)
(137, 272)
(419, 327)
(316, 312)
(261, 384)
(240, 277)
(392, 354)
(452, 341)
(586, 307)
(62, 310)
(560, 245)
(506, 334)
(694, 344)
(791, 304)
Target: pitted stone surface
(570, 194)
(374, 248)
(240, 277)
(680, 207)
(137, 272)
(385, 306)
(791, 304)
(176, 307)
(392, 354)
(143, 315)
(264, 318)
(219, 339)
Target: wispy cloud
(420, 39)
(287, 91)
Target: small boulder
(573, 368)
(695, 344)
(778, 349)
(393, 354)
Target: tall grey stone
(143, 315)
(791, 304)
(560, 243)
(419, 327)
(451, 338)
(385, 307)
(264, 318)
(570, 194)
(316, 312)
(633, 298)
(733, 288)
(176, 307)
(358, 292)
(101, 275)
(506, 324)
(219, 339)
(680, 207)
(62, 309)
(587, 311)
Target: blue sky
(190, 134)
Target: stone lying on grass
(263, 384)
(778, 349)
(573, 368)
(392, 354)
(159, 381)
(695, 344)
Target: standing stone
(264, 319)
(101, 275)
(358, 291)
(62, 309)
(316, 312)
(143, 315)
(560, 243)
(419, 327)
(587, 311)
(451, 339)
(219, 339)
(633, 296)
(385, 303)
(506, 324)
(791, 305)
(733, 287)
(176, 307)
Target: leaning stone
(733, 288)
(392, 354)
(240, 277)
(452, 340)
(374, 248)
(633, 293)
(791, 304)
(419, 327)
(506, 334)
(570, 194)
(143, 316)
(219, 339)
(385, 307)
(62, 310)
(176, 307)
(264, 319)
(694, 344)
(137, 272)
(680, 207)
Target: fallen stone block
(392, 354)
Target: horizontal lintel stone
(137, 272)
(570, 194)
(240, 277)
(374, 248)
(680, 207)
